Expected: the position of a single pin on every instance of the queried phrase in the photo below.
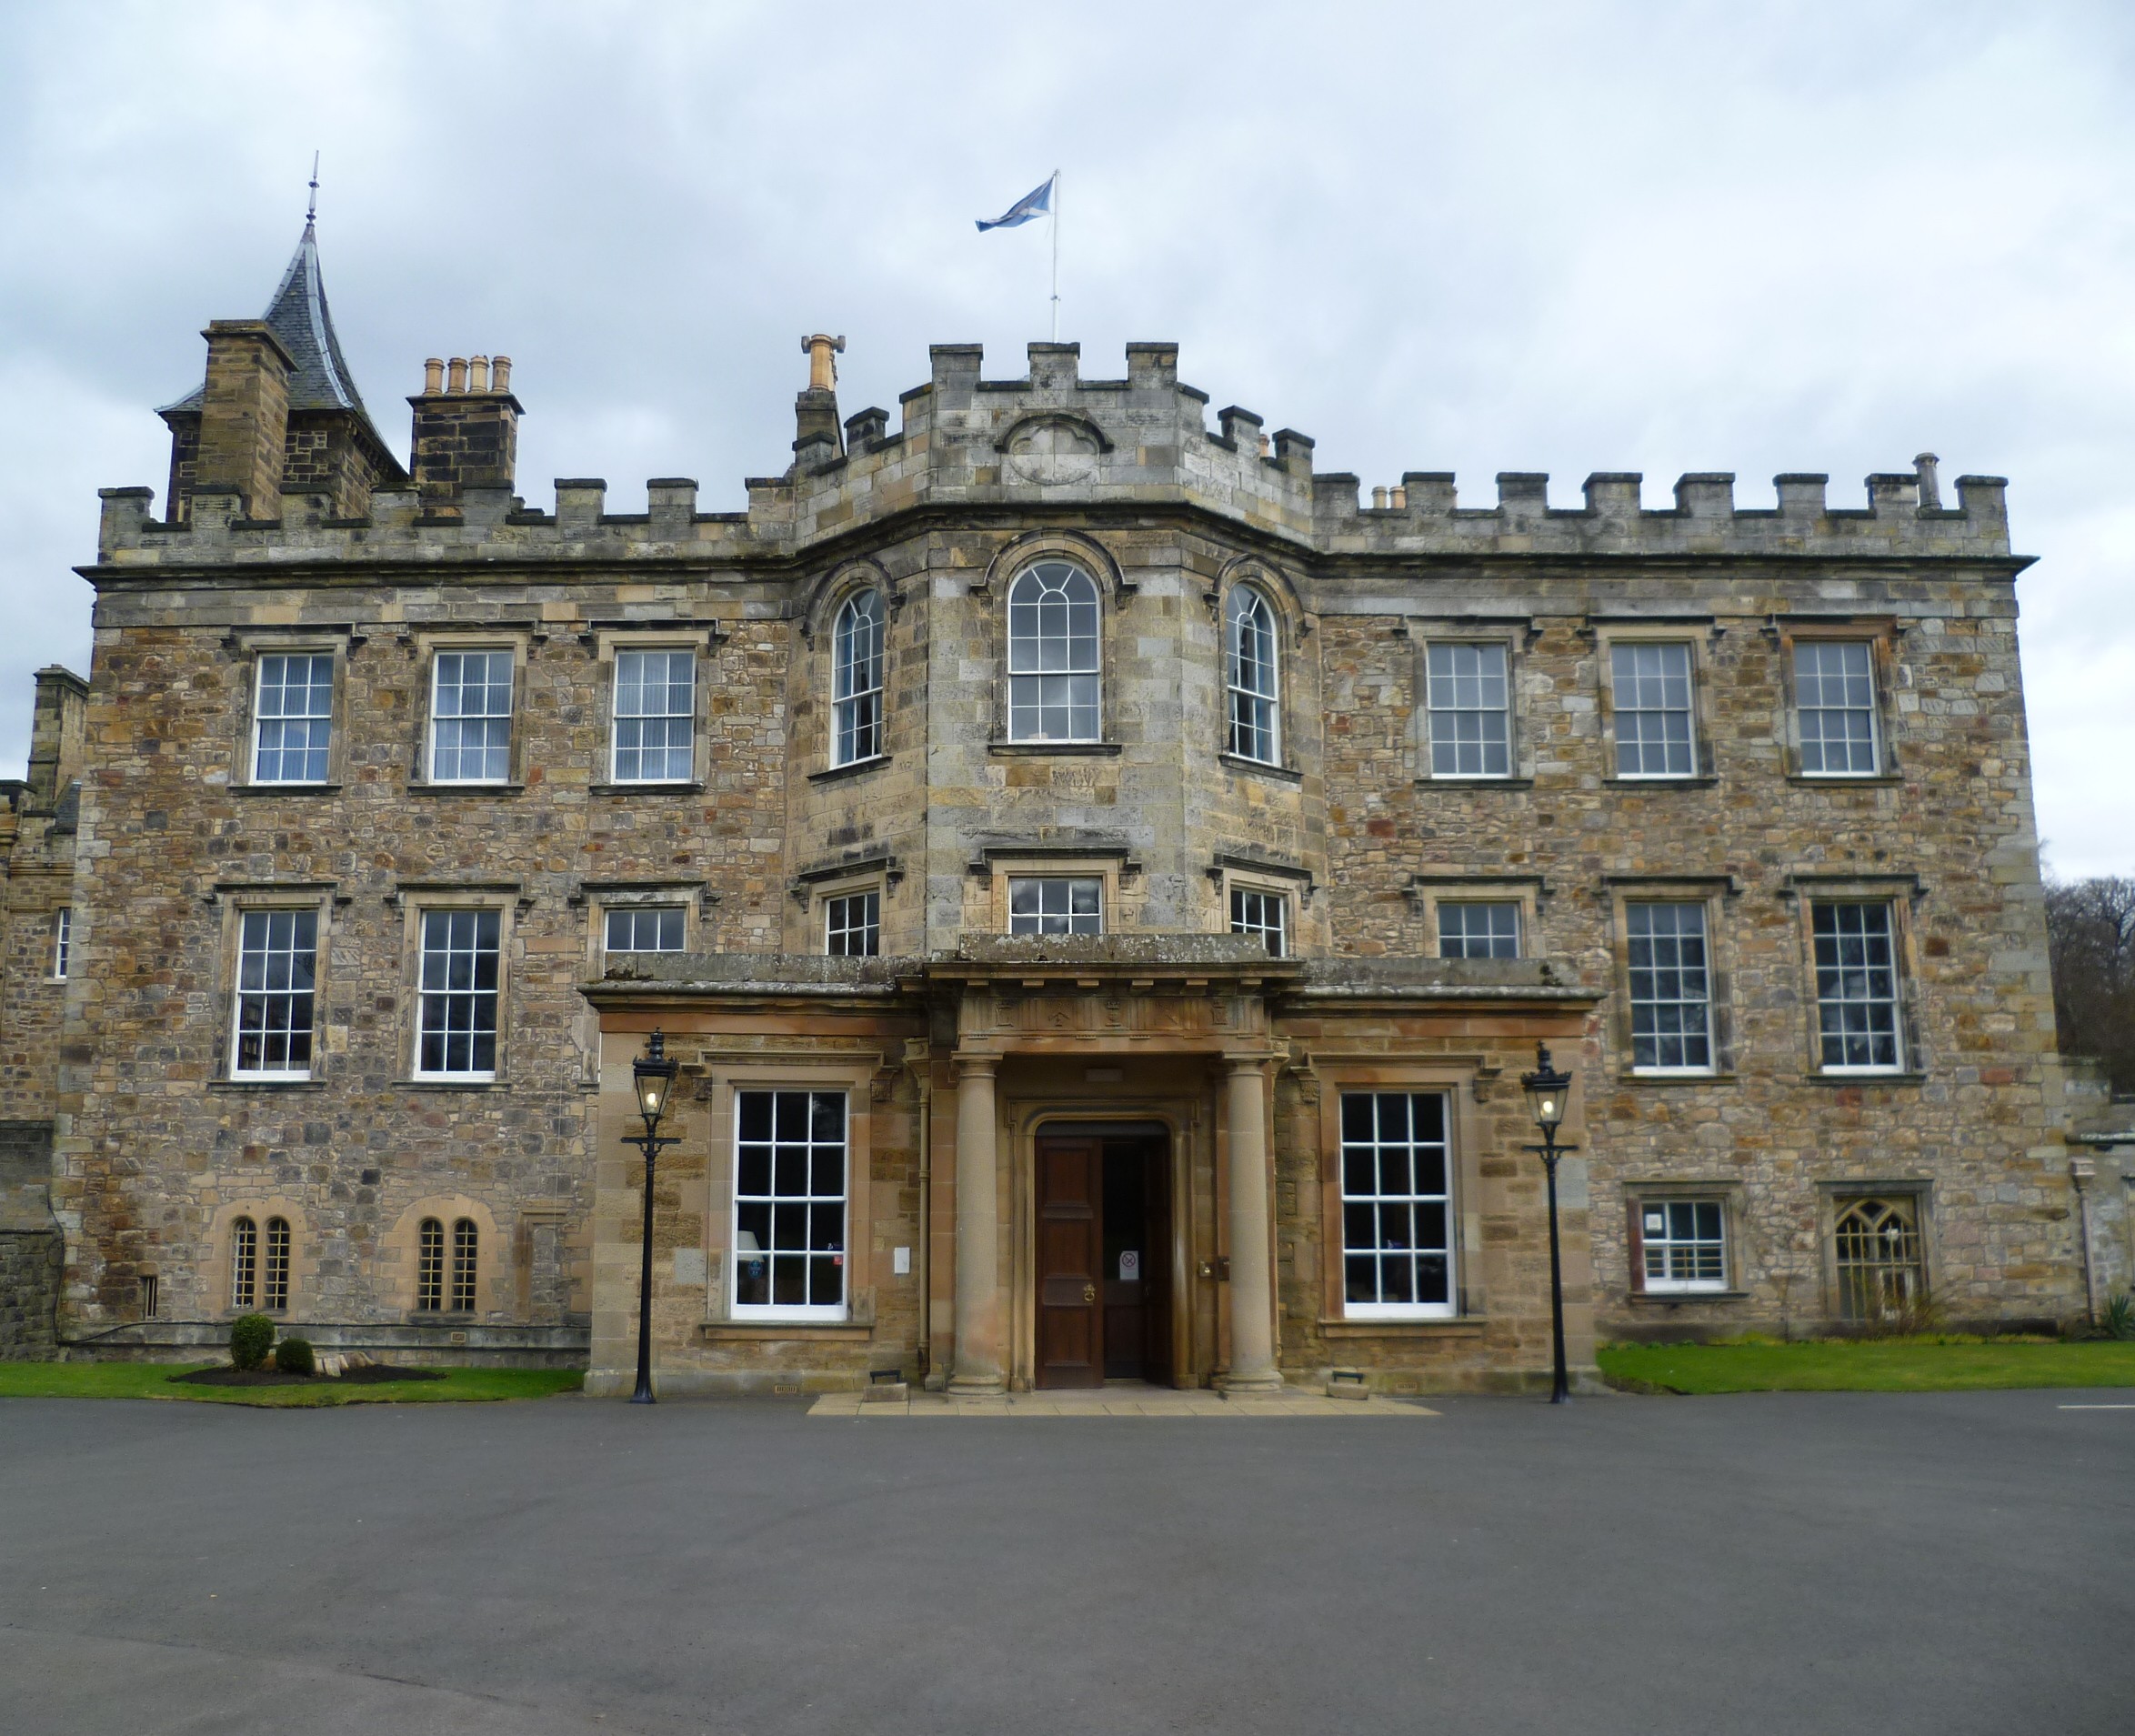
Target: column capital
(1255, 1063)
(975, 1061)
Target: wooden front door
(1070, 1247)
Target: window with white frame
(457, 1039)
(1471, 704)
(1653, 697)
(1264, 916)
(1670, 988)
(852, 925)
(292, 717)
(277, 973)
(644, 927)
(1835, 701)
(1054, 685)
(63, 941)
(1397, 1205)
(855, 661)
(789, 1205)
(1253, 676)
(1056, 904)
(1682, 1245)
(1479, 928)
(1856, 987)
(471, 717)
(655, 716)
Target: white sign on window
(1130, 1265)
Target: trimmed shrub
(251, 1336)
(293, 1356)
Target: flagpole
(1055, 203)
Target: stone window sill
(1083, 749)
(1628, 1076)
(1841, 781)
(312, 1084)
(1459, 782)
(333, 788)
(649, 787)
(851, 769)
(1703, 780)
(816, 1332)
(497, 1084)
(511, 787)
(1469, 1328)
(1261, 769)
(1821, 1077)
(1676, 1297)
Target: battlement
(1049, 436)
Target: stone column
(1252, 1298)
(978, 1303)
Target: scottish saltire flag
(1036, 203)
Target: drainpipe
(2081, 1170)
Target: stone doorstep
(1112, 1402)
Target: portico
(1069, 1156)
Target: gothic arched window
(275, 1290)
(464, 1244)
(1055, 691)
(430, 1266)
(243, 1264)
(856, 680)
(1253, 676)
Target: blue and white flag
(1036, 203)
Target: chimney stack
(815, 411)
(466, 431)
(244, 415)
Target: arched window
(275, 1295)
(1054, 687)
(856, 680)
(430, 1266)
(1878, 1242)
(243, 1263)
(464, 1243)
(1253, 677)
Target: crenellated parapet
(965, 444)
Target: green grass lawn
(152, 1381)
(1875, 1365)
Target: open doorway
(1104, 1258)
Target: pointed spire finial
(311, 211)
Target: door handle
(1089, 1292)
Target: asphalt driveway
(1937, 1563)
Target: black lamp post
(1548, 1093)
(654, 1075)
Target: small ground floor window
(1682, 1245)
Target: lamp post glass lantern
(1549, 1094)
(653, 1073)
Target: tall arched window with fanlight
(1054, 690)
(856, 680)
(1254, 678)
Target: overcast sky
(1562, 237)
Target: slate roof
(300, 317)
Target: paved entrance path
(1948, 1563)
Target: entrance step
(1115, 1399)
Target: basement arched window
(856, 680)
(1055, 691)
(243, 1264)
(1253, 676)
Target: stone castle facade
(1102, 881)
